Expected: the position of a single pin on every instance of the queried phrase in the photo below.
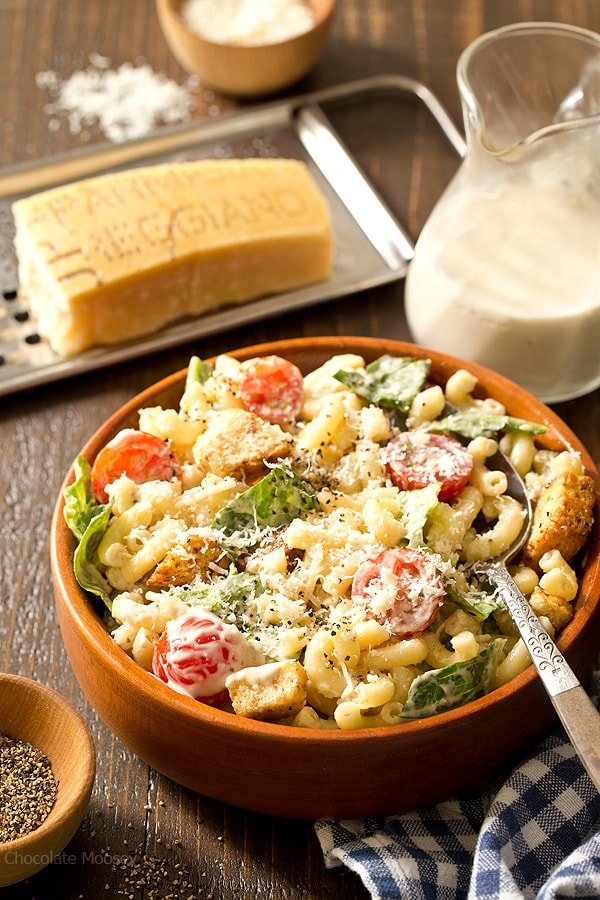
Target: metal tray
(372, 248)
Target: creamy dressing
(208, 678)
(514, 284)
(257, 676)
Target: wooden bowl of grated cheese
(280, 768)
(246, 49)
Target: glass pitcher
(506, 271)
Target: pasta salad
(297, 549)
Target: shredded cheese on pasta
(301, 606)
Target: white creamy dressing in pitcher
(512, 281)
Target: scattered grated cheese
(125, 103)
(247, 21)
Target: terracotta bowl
(33, 712)
(302, 773)
(242, 70)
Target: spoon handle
(576, 711)
(581, 721)
(552, 667)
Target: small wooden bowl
(308, 773)
(33, 712)
(242, 70)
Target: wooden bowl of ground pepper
(47, 769)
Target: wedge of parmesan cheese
(118, 256)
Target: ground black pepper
(27, 788)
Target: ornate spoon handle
(575, 709)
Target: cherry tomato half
(196, 653)
(402, 588)
(273, 388)
(140, 456)
(417, 458)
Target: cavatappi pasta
(293, 527)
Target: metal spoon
(576, 711)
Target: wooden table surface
(204, 849)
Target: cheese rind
(112, 258)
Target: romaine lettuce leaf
(442, 689)
(80, 504)
(272, 502)
(88, 521)
(390, 380)
(198, 370)
(416, 506)
(476, 601)
(227, 597)
(471, 423)
(85, 567)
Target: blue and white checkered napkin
(536, 835)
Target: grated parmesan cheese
(125, 103)
(247, 22)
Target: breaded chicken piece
(557, 609)
(563, 517)
(187, 561)
(238, 442)
(269, 692)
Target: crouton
(185, 562)
(269, 692)
(238, 443)
(563, 517)
(558, 610)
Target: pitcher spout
(523, 83)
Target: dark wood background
(135, 813)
